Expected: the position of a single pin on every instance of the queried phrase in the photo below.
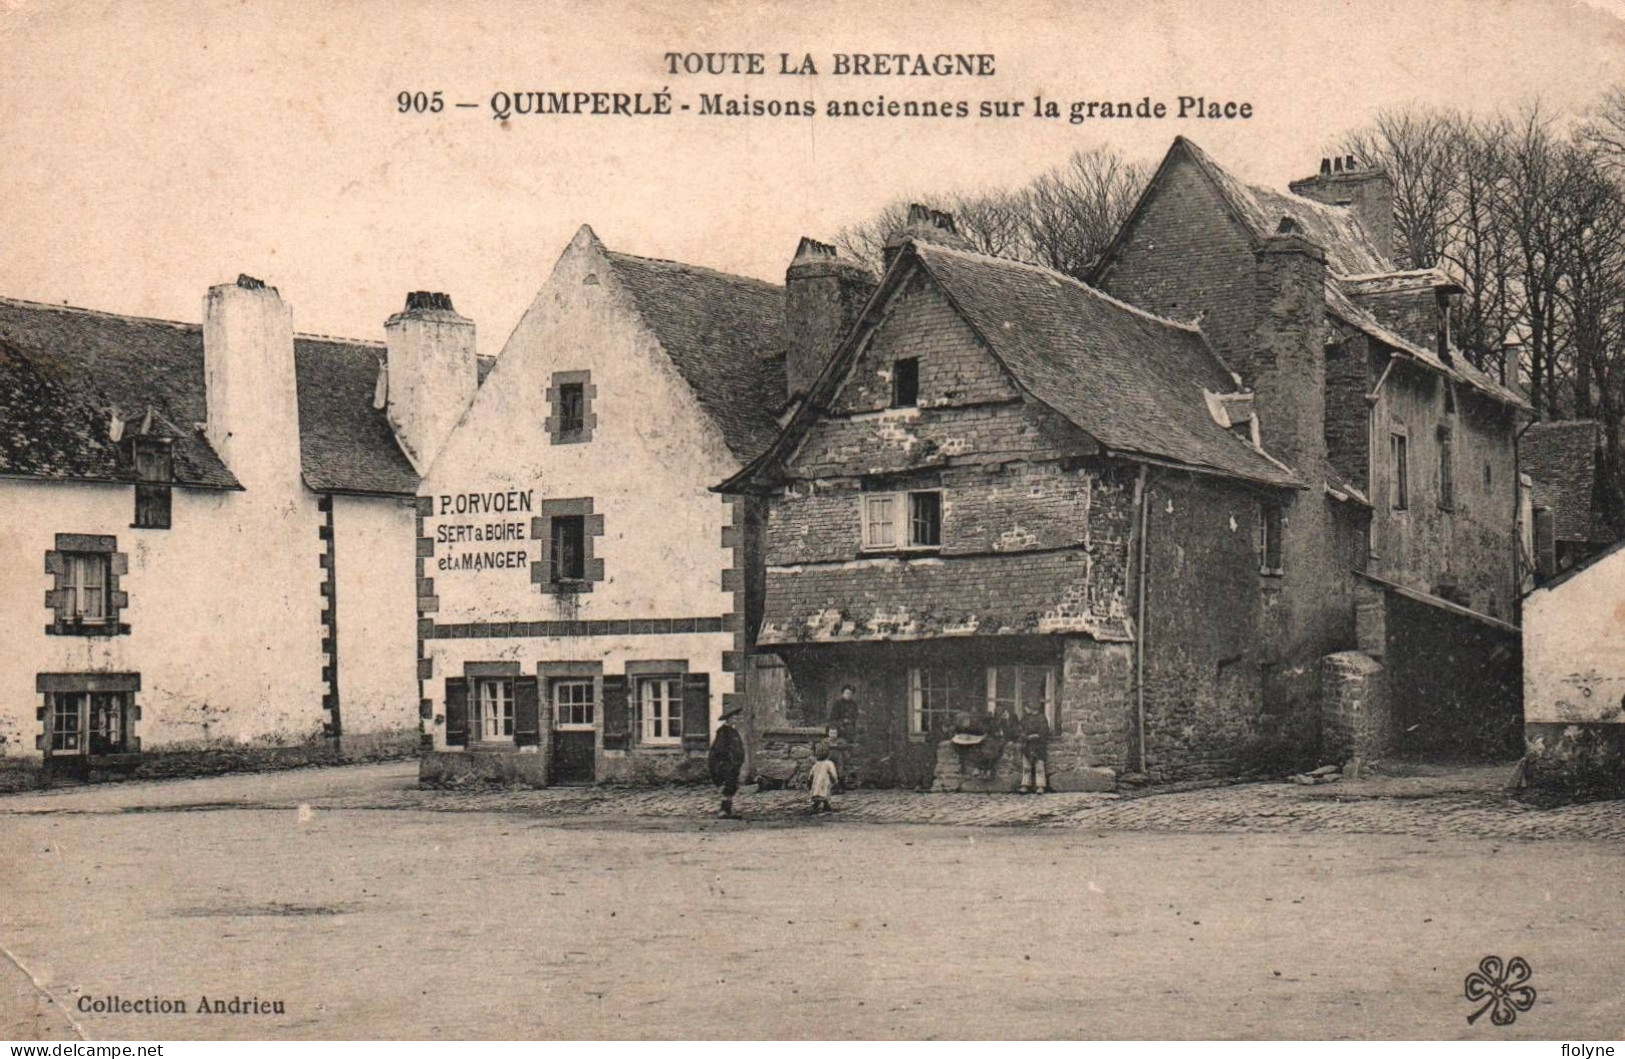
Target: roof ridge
(696, 268)
(1046, 270)
(179, 324)
(79, 309)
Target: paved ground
(371, 909)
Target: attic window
(570, 399)
(905, 382)
(154, 472)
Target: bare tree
(1419, 149)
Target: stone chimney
(824, 295)
(1365, 190)
(1287, 371)
(253, 399)
(925, 225)
(432, 373)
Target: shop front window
(1012, 688)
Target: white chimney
(253, 400)
(432, 373)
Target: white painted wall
(1574, 647)
(374, 549)
(224, 613)
(650, 463)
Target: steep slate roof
(725, 335)
(1337, 231)
(1561, 460)
(1132, 381)
(64, 370)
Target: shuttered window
(154, 471)
(660, 705)
(493, 714)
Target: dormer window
(905, 382)
(155, 473)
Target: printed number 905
(419, 103)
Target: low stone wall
(1068, 770)
(206, 760)
(645, 767)
(1576, 759)
(452, 768)
(784, 757)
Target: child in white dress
(822, 780)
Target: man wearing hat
(727, 758)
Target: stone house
(1572, 509)
(582, 591)
(1405, 438)
(1003, 488)
(207, 552)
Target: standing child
(1034, 750)
(823, 780)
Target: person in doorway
(823, 779)
(726, 760)
(1034, 750)
(843, 731)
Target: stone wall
(1355, 721)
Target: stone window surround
(541, 528)
(49, 684)
(56, 564)
(1271, 526)
(554, 422)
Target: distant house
(582, 592)
(1569, 495)
(208, 539)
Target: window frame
(910, 399)
(557, 554)
(1447, 468)
(672, 699)
(572, 408)
(925, 682)
(74, 565)
(154, 462)
(901, 523)
(104, 717)
(577, 430)
(1271, 523)
(588, 708)
(1399, 470)
(503, 715)
(1018, 703)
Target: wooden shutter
(527, 712)
(617, 714)
(697, 711)
(456, 711)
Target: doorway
(575, 731)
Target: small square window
(572, 408)
(905, 382)
(574, 704)
(569, 548)
(925, 520)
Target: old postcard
(802, 521)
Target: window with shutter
(456, 711)
(527, 726)
(154, 471)
(617, 714)
(697, 711)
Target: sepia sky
(150, 150)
